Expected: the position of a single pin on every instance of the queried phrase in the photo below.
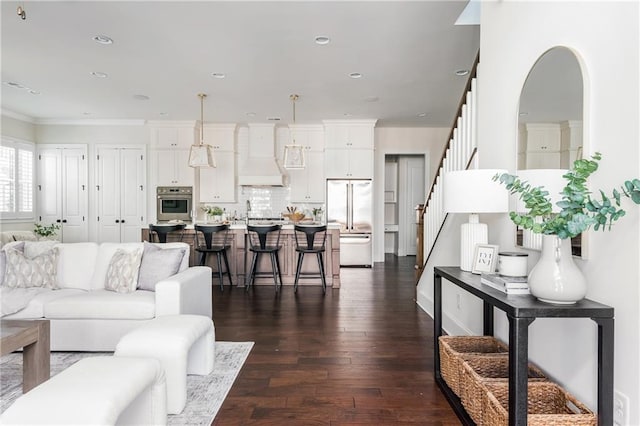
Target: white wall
(402, 140)
(605, 38)
(18, 129)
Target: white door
(108, 194)
(132, 195)
(49, 189)
(74, 195)
(411, 192)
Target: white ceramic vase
(556, 278)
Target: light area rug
(205, 394)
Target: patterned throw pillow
(39, 271)
(158, 264)
(122, 273)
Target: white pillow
(122, 273)
(23, 272)
(35, 248)
(158, 264)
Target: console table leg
(605, 370)
(518, 369)
(437, 322)
(487, 318)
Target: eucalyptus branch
(578, 209)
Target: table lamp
(473, 192)
(553, 182)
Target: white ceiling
(407, 52)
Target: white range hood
(260, 167)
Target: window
(16, 179)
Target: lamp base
(471, 233)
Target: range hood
(260, 167)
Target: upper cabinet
(349, 148)
(170, 143)
(218, 184)
(307, 185)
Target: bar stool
(211, 244)
(314, 242)
(258, 245)
(161, 231)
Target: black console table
(521, 311)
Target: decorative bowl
(294, 217)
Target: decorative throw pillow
(122, 273)
(24, 272)
(158, 264)
(35, 248)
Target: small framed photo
(485, 258)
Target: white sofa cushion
(76, 265)
(103, 304)
(35, 307)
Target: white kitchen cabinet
(62, 195)
(307, 185)
(349, 148)
(120, 192)
(170, 143)
(542, 145)
(218, 184)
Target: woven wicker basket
(477, 370)
(455, 349)
(548, 405)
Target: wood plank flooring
(359, 355)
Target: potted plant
(46, 232)
(555, 278)
(214, 212)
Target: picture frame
(485, 258)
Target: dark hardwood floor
(359, 355)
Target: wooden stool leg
(298, 269)
(226, 264)
(274, 268)
(252, 269)
(322, 277)
(279, 270)
(219, 261)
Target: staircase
(458, 154)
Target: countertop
(243, 225)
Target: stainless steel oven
(174, 203)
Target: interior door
(411, 193)
(49, 187)
(132, 193)
(74, 198)
(108, 194)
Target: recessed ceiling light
(14, 85)
(523, 113)
(86, 113)
(34, 92)
(421, 114)
(103, 39)
(322, 40)
(164, 114)
(371, 99)
(273, 118)
(347, 114)
(462, 72)
(99, 74)
(141, 97)
(355, 75)
(251, 114)
(218, 75)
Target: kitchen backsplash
(265, 202)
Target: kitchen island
(240, 257)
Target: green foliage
(578, 209)
(212, 210)
(46, 231)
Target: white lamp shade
(474, 191)
(550, 179)
(201, 156)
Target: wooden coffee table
(33, 337)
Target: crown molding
(89, 122)
(18, 116)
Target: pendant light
(293, 153)
(201, 155)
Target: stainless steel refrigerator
(350, 204)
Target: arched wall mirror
(550, 122)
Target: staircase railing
(458, 154)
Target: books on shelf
(509, 285)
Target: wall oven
(174, 203)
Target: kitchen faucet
(248, 210)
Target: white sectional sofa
(86, 316)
